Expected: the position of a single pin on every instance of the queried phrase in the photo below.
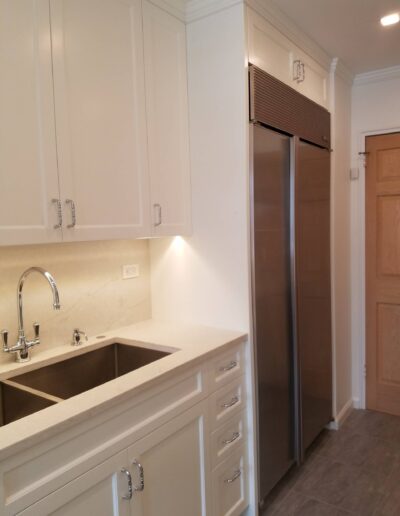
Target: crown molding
(175, 7)
(340, 69)
(383, 74)
(196, 9)
(284, 24)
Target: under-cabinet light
(390, 19)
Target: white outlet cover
(130, 271)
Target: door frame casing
(358, 271)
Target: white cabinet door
(316, 79)
(98, 492)
(167, 120)
(100, 114)
(175, 467)
(269, 49)
(28, 163)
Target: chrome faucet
(23, 345)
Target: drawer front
(228, 438)
(227, 401)
(229, 485)
(225, 367)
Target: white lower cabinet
(162, 474)
(97, 492)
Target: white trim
(342, 416)
(358, 271)
(340, 69)
(196, 9)
(384, 74)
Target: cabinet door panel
(174, 467)
(167, 118)
(315, 84)
(269, 49)
(98, 492)
(101, 128)
(28, 164)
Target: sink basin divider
(36, 392)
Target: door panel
(174, 465)
(100, 112)
(383, 272)
(98, 492)
(272, 296)
(28, 163)
(312, 209)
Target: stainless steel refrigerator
(290, 194)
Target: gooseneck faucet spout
(23, 345)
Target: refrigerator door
(312, 228)
(272, 304)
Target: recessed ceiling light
(390, 19)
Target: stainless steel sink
(16, 403)
(75, 375)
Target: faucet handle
(4, 335)
(76, 336)
(36, 329)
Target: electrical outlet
(130, 271)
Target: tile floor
(354, 471)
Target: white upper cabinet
(28, 162)
(167, 120)
(94, 140)
(273, 52)
(100, 114)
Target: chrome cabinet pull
(130, 489)
(233, 401)
(230, 366)
(299, 71)
(158, 209)
(236, 475)
(235, 436)
(73, 213)
(57, 202)
(140, 487)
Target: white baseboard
(342, 416)
(356, 403)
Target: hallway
(355, 471)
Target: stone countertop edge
(190, 344)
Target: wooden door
(383, 272)
(99, 492)
(174, 465)
(167, 120)
(28, 162)
(100, 113)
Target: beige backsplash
(93, 295)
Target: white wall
(375, 109)
(204, 278)
(340, 240)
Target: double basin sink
(33, 391)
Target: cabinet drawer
(227, 401)
(228, 438)
(226, 366)
(229, 485)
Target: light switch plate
(130, 271)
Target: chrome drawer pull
(57, 202)
(233, 401)
(140, 487)
(235, 436)
(130, 490)
(230, 366)
(158, 209)
(73, 213)
(236, 475)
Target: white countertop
(189, 343)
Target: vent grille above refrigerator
(275, 104)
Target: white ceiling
(349, 29)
